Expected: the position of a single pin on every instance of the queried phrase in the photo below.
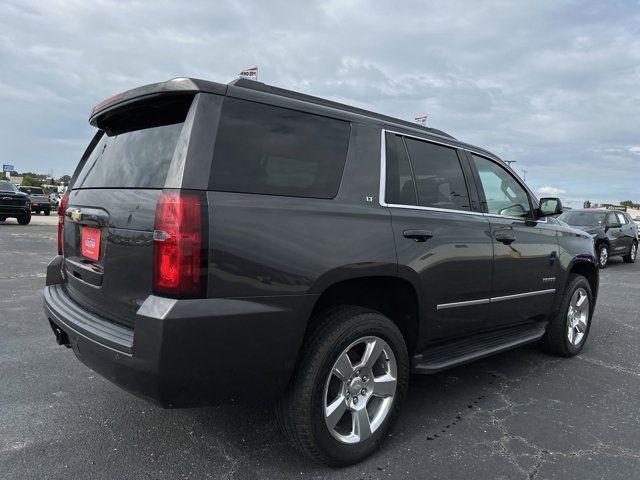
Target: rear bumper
(188, 352)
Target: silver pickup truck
(39, 200)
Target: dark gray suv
(237, 241)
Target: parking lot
(519, 415)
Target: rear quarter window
(276, 151)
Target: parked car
(54, 199)
(39, 200)
(614, 232)
(14, 203)
(242, 241)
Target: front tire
(346, 392)
(633, 253)
(603, 256)
(24, 219)
(47, 212)
(569, 327)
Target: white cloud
(635, 149)
(551, 191)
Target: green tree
(65, 179)
(586, 204)
(629, 203)
(29, 181)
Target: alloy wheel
(360, 390)
(578, 317)
(604, 256)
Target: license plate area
(90, 242)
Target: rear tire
(569, 327)
(307, 409)
(47, 212)
(2, 219)
(603, 256)
(24, 219)
(633, 253)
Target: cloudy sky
(553, 85)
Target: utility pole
(524, 175)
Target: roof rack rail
(263, 87)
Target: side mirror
(550, 206)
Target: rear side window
(276, 151)
(438, 176)
(137, 147)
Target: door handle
(418, 235)
(506, 238)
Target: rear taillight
(61, 209)
(178, 245)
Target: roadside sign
(7, 168)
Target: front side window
(276, 151)
(503, 193)
(438, 176)
(621, 218)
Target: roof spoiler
(175, 86)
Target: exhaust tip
(61, 336)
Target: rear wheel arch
(393, 296)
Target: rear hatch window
(137, 147)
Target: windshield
(583, 219)
(7, 187)
(32, 190)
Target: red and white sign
(421, 120)
(250, 73)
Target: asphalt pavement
(519, 415)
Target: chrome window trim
(481, 301)
(383, 177)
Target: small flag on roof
(421, 120)
(250, 73)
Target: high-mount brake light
(61, 209)
(177, 244)
(106, 101)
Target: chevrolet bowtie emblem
(76, 215)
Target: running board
(457, 352)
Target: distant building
(15, 179)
